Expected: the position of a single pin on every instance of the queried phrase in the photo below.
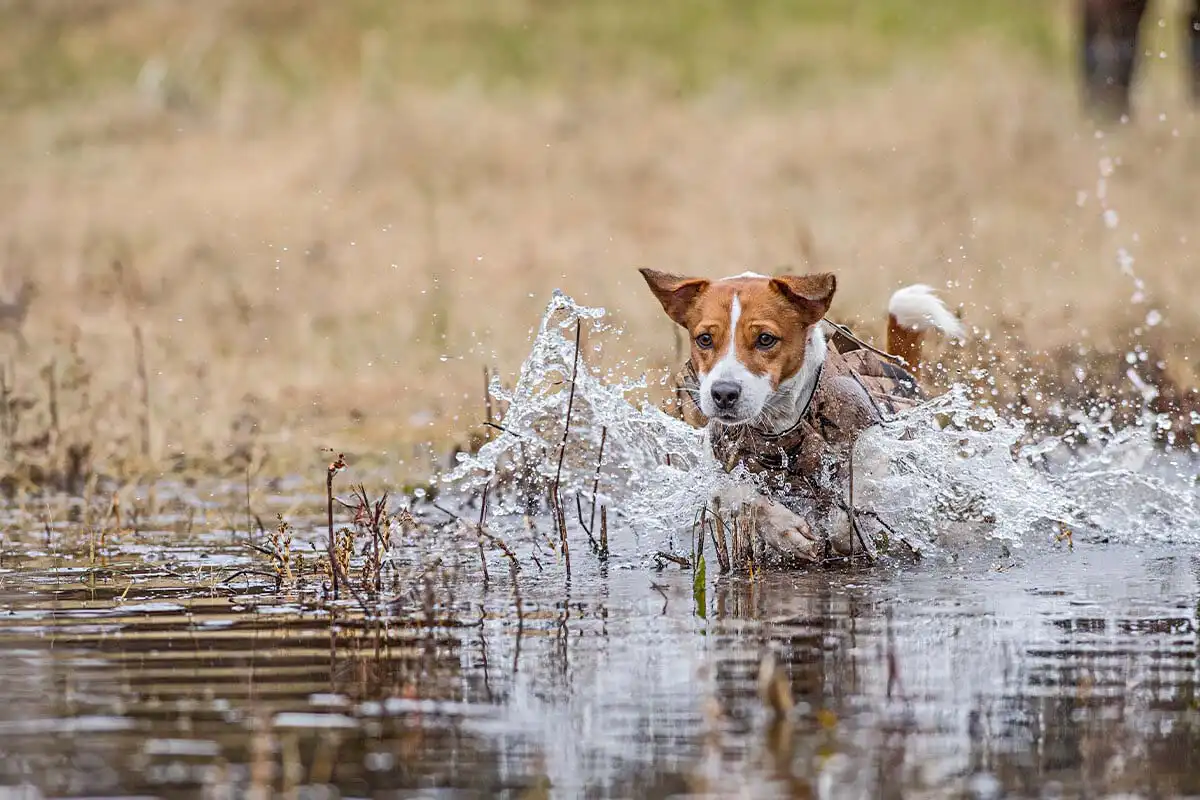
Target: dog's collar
(800, 417)
(693, 378)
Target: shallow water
(1050, 671)
(1012, 660)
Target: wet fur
(725, 319)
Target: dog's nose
(725, 394)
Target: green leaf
(698, 586)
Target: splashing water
(945, 473)
(654, 468)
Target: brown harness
(856, 388)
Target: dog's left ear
(676, 294)
(811, 294)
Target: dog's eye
(704, 341)
(766, 341)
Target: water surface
(1047, 671)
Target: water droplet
(1153, 317)
(1111, 219)
(1125, 262)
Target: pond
(185, 648)
(155, 669)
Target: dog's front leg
(786, 532)
(789, 534)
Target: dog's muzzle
(725, 395)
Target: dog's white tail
(912, 311)
(918, 308)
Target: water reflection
(1073, 671)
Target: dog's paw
(786, 532)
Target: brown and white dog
(783, 390)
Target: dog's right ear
(675, 293)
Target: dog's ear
(675, 293)
(811, 294)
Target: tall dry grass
(336, 270)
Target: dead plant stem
(562, 451)
(334, 468)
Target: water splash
(655, 468)
(945, 473)
(949, 467)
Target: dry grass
(335, 268)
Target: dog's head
(749, 334)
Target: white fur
(755, 388)
(783, 408)
(744, 275)
(917, 307)
(773, 410)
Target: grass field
(257, 229)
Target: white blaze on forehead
(744, 275)
(754, 388)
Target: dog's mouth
(729, 418)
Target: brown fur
(786, 307)
(854, 389)
(904, 343)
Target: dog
(786, 393)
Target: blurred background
(233, 232)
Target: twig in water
(492, 538)
(892, 533)
(586, 528)
(277, 577)
(533, 539)
(852, 513)
(596, 480)
(482, 514)
(373, 516)
(673, 558)
(604, 532)
(502, 429)
(562, 451)
(719, 543)
(603, 549)
(487, 396)
(334, 468)
(893, 662)
(591, 523)
(663, 591)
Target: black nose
(725, 394)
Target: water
(1072, 672)
(944, 472)
(1046, 644)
